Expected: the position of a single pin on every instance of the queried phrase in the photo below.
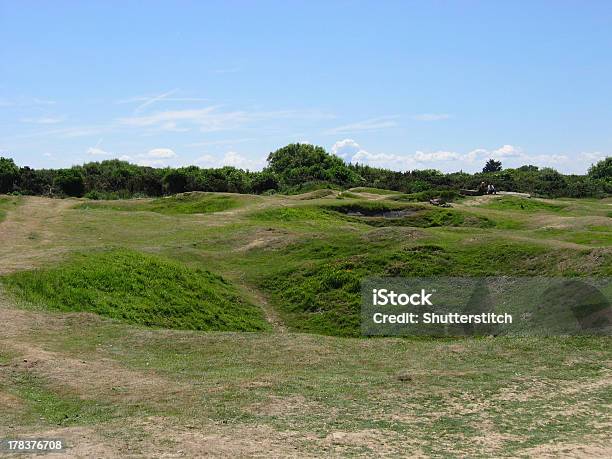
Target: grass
(187, 203)
(514, 203)
(418, 215)
(424, 196)
(326, 391)
(369, 190)
(324, 296)
(7, 203)
(140, 289)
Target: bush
(70, 182)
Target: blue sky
(403, 85)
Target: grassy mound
(186, 203)
(139, 289)
(523, 204)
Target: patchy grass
(424, 196)
(515, 203)
(186, 203)
(381, 213)
(7, 203)
(139, 289)
(240, 393)
(369, 190)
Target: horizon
(397, 85)
(266, 165)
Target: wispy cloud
(25, 102)
(372, 124)
(97, 151)
(431, 117)
(211, 119)
(71, 132)
(147, 101)
(211, 143)
(43, 120)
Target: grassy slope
(187, 203)
(473, 397)
(139, 289)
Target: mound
(186, 203)
(139, 289)
(523, 204)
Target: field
(105, 343)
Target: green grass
(515, 203)
(322, 294)
(379, 191)
(7, 203)
(465, 397)
(187, 203)
(423, 217)
(139, 289)
(48, 406)
(424, 196)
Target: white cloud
(160, 153)
(385, 160)
(231, 158)
(436, 156)
(156, 157)
(373, 124)
(431, 117)
(507, 151)
(450, 161)
(594, 156)
(95, 151)
(345, 148)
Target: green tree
(492, 166)
(602, 170)
(9, 173)
(70, 182)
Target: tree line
(292, 169)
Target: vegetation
(188, 203)
(296, 261)
(139, 289)
(492, 166)
(7, 203)
(295, 168)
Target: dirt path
(27, 237)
